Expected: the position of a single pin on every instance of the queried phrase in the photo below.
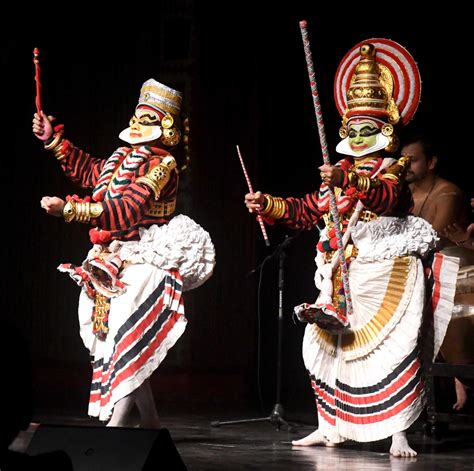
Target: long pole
(324, 149)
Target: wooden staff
(324, 149)
(259, 217)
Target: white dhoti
(368, 381)
(145, 310)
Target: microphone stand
(276, 417)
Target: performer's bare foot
(400, 446)
(149, 417)
(461, 395)
(121, 412)
(315, 438)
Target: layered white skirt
(146, 313)
(368, 381)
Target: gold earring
(170, 136)
(167, 121)
(393, 143)
(387, 129)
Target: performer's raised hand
(53, 205)
(331, 175)
(42, 126)
(254, 201)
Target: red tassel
(99, 237)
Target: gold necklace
(426, 197)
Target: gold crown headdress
(379, 80)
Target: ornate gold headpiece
(371, 89)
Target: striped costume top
(127, 206)
(389, 198)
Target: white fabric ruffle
(390, 237)
(325, 270)
(181, 245)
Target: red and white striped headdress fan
(390, 56)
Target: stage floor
(258, 445)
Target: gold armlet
(81, 212)
(275, 207)
(157, 178)
(397, 170)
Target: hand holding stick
(259, 217)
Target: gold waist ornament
(159, 209)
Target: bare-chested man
(436, 200)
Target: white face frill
(154, 134)
(344, 148)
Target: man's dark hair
(417, 137)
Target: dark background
(244, 80)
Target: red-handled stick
(37, 79)
(259, 217)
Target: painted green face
(362, 136)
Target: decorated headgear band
(160, 97)
(377, 81)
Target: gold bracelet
(352, 178)
(58, 137)
(364, 184)
(69, 211)
(275, 207)
(361, 182)
(268, 204)
(62, 150)
(280, 208)
(81, 211)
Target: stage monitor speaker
(109, 448)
